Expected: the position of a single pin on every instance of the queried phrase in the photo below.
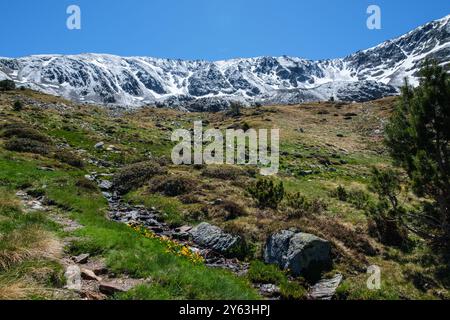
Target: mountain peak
(199, 85)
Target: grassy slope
(126, 252)
(310, 133)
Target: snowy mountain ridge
(205, 86)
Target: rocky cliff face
(203, 85)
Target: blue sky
(207, 29)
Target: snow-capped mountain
(203, 85)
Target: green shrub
(135, 175)
(358, 198)
(27, 145)
(23, 131)
(172, 186)
(17, 106)
(86, 184)
(235, 109)
(385, 227)
(418, 139)
(228, 210)
(298, 206)
(267, 193)
(70, 158)
(386, 215)
(340, 193)
(223, 172)
(6, 85)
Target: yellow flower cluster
(172, 246)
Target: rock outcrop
(302, 253)
(214, 238)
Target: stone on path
(73, 277)
(82, 258)
(325, 289)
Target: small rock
(45, 169)
(89, 275)
(325, 289)
(89, 177)
(269, 290)
(82, 258)
(110, 288)
(183, 229)
(99, 145)
(73, 278)
(105, 185)
(21, 194)
(120, 285)
(304, 173)
(36, 206)
(182, 236)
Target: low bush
(235, 109)
(340, 193)
(70, 158)
(189, 198)
(18, 105)
(136, 175)
(223, 172)
(267, 193)
(358, 198)
(383, 226)
(386, 215)
(228, 210)
(172, 186)
(19, 130)
(298, 206)
(86, 184)
(27, 145)
(7, 85)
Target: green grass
(260, 272)
(125, 251)
(27, 244)
(173, 277)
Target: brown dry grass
(14, 290)
(28, 243)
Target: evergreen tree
(418, 137)
(6, 85)
(17, 106)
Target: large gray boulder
(214, 238)
(302, 253)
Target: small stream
(123, 212)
